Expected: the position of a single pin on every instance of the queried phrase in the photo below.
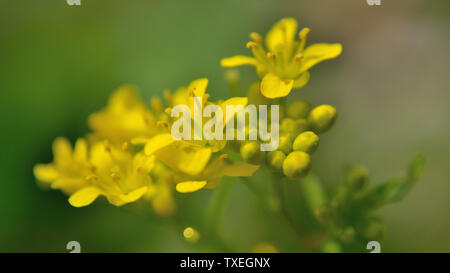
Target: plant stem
(218, 205)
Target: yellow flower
(210, 177)
(69, 167)
(104, 169)
(185, 96)
(286, 62)
(191, 164)
(160, 192)
(124, 117)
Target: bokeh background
(59, 63)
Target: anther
(303, 33)
(299, 57)
(251, 45)
(107, 145)
(91, 177)
(271, 55)
(115, 177)
(256, 37)
(162, 124)
(126, 147)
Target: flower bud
(251, 152)
(331, 247)
(191, 235)
(302, 125)
(357, 178)
(306, 142)
(296, 164)
(323, 215)
(275, 159)
(347, 234)
(285, 144)
(322, 118)
(293, 127)
(298, 109)
(372, 229)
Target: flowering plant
(132, 154)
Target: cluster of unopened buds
(132, 152)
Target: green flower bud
(285, 144)
(293, 127)
(296, 164)
(251, 152)
(306, 142)
(322, 118)
(372, 229)
(275, 159)
(298, 109)
(331, 247)
(357, 178)
(347, 234)
(323, 215)
(302, 126)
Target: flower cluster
(131, 153)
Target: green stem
(218, 205)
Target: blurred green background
(59, 63)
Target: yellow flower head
(124, 117)
(285, 63)
(102, 169)
(69, 166)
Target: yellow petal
(217, 145)
(240, 169)
(45, 172)
(273, 87)
(81, 150)
(234, 101)
(194, 161)
(62, 149)
(237, 61)
(125, 97)
(143, 162)
(158, 142)
(190, 186)
(302, 80)
(317, 53)
(282, 32)
(198, 87)
(133, 195)
(68, 185)
(139, 140)
(84, 197)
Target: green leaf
(395, 189)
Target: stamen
(271, 55)
(303, 34)
(168, 96)
(251, 45)
(126, 147)
(115, 176)
(256, 37)
(91, 177)
(168, 111)
(157, 105)
(107, 145)
(299, 57)
(163, 124)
